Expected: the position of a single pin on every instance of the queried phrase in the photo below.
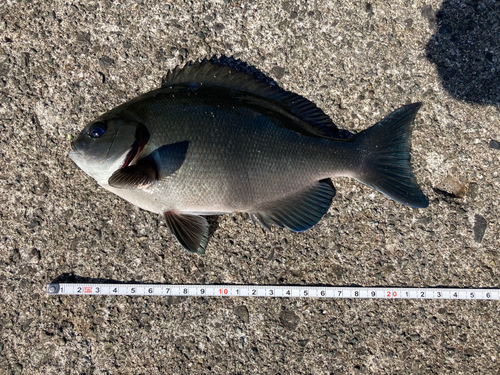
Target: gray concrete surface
(63, 63)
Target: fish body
(215, 141)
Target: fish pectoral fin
(190, 230)
(137, 176)
(297, 212)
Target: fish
(215, 139)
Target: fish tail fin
(385, 157)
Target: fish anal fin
(257, 217)
(191, 231)
(297, 212)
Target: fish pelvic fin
(384, 151)
(191, 231)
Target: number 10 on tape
(280, 291)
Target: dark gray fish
(215, 140)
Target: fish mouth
(73, 152)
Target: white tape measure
(280, 291)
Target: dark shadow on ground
(76, 279)
(466, 49)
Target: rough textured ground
(63, 63)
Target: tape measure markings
(280, 291)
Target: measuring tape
(281, 291)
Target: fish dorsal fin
(305, 117)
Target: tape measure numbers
(281, 291)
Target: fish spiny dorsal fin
(306, 118)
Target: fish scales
(220, 146)
(237, 156)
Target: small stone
(278, 72)
(108, 349)
(15, 256)
(302, 343)
(297, 273)
(68, 213)
(242, 313)
(270, 256)
(452, 186)
(473, 190)
(425, 220)
(26, 325)
(18, 368)
(495, 144)
(37, 357)
(428, 13)
(480, 225)
(83, 37)
(289, 319)
(106, 61)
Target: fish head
(106, 145)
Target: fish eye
(97, 129)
